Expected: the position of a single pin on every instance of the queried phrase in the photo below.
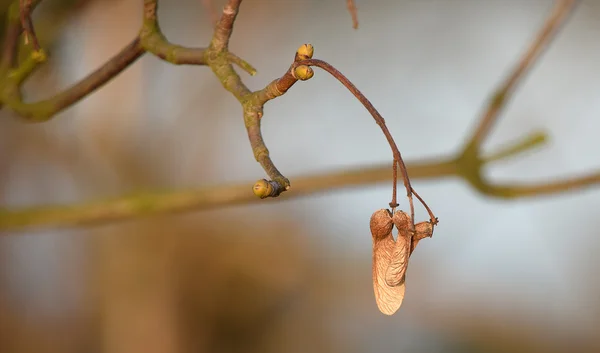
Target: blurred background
(295, 275)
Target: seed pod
(422, 230)
(390, 258)
(388, 298)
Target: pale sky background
(428, 67)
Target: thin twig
(213, 197)
(561, 11)
(147, 204)
(45, 109)
(512, 191)
(353, 12)
(27, 23)
(150, 39)
(11, 38)
(378, 119)
(224, 27)
(467, 165)
(153, 41)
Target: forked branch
(468, 165)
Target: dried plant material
(390, 257)
(388, 298)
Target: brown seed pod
(388, 298)
(390, 258)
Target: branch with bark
(468, 164)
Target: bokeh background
(295, 275)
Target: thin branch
(512, 191)
(26, 7)
(224, 28)
(527, 143)
(353, 12)
(11, 38)
(45, 109)
(381, 122)
(143, 205)
(561, 11)
(468, 165)
(150, 39)
(155, 203)
(153, 41)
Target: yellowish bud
(262, 188)
(39, 56)
(303, 72)
(305, 51)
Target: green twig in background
(213, 197)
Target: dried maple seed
(388, 298)
(390, 257)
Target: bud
(262, 188)
(39, 56)
(305, 51)
(303, 72)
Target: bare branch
(224, 27)
(353, 12)
(562, 10)
(381, 122)
(11, 39)
(148, 204)
(468, 165)
(45, 109)
(153, 41)
(26, 7)
(143, 205)
(150, 39)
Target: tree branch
(150, 39)
(153, 41)
(11, 39)
(468, 165)
(561, 11)
(45, 109)
(25, 8)
(155, 203)
(353, 12)
(147, 204)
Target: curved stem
(379, 120)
